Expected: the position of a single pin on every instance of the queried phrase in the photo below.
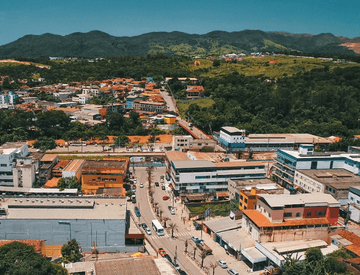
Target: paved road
(199, 134)
(169, 101)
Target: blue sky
(131, 18)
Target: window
(358, 202)
(351, 198)
(246, 200)
(313, 164)
(3, 165)
(288, 214)
(297, 214)
(241, 197)
(320, 213)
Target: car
(133, 189)
(172, 211)
(162, 252)
(165, 198)
(141, 185)
(232, 271)
(133, 200)
(157, 184)
(148, 231)
(144, 225)
(195, 239)
(137, 212)
(135, 181)
(222, 263)
(163, 187)
(161, 180)
(170, 207)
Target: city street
(183, 232)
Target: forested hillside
(100, 44)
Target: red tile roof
(355, 239)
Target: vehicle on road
(159, 230)
(172, 210)
(222, 263)
(146, 228)
(133, 189)
(157, 184)
(162, 252)
(163, 187)
(137, 211)
(176, 266)
(141, 185)
(232, 271)
(162, 180)
(165, 198)
(135, 181)
(133, 200)
(195, 239)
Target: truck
(204, 248)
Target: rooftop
(337, 178)
(279, 200)
(104, 164)
(261, 221)
(12, 145)
(74, 165)
(292, 138)
(49, 157)
(222, 224)
(354, 239)
(65, 208)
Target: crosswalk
(168, 235)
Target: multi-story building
(191, 172)
(354, 203)
(157, 107)
(48, 162)
(73, 169)
(103, 221)
(232, 138)
(103, 174)
(185, 143)
(292, 217)
(9, 152)
(287, 161)
(335, 182)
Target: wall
(109, 235)
(307, 183)
(294, 234)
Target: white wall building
(354, 200)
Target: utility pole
(175, 254)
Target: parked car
(232, 271)
(165, 198)
(141, 185)
(222, 263)
(163, 187)
(133, 189)
(157, 184)
(176, 266)
(135, 181)
(133, 200)
(162, 252)
(144, 225)
(137, 211)
(195, 239)
(172, 210)
(161, 180)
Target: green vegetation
(71, 252)
(183, 106)
(71, 157)
(69, 183)
(22, 259)
(100, 44)
(316, 264)
(216, 209)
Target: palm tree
(213, 266)
(194, 252)
(173, 227)
(149, 171)
(186, 245)
(203, 256)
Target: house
(84, 98)
(354, 203)
(193, 91)
(278, 218)
(48, 161)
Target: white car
(232, 271)
(148, 231)
(141, 185)
(222, 263)
(134, 181)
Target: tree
(71, 252)
(69, 183)
(45, 143)
(216, 63)
(19, 258)
(203, 256)
(173, 227)
(121, 140)
(213, 266)
(195, 251)
(150, 170)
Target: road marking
(169, 235)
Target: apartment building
(354, 203)
(195, 172)
(157, 107)
(279, 218)
(185, 143)
(288, 161)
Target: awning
(253, 255)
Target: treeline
(319, 102)
(335, 56)
(18, 125)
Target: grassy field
(222, 209)
(202, 102)
(251, 66)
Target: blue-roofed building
(129, 101)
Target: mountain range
(100, 44)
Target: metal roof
(222, 224)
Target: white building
(9, 152)
(354, 200)
(194, 174)
(84, 98)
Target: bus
(157, 227)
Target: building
(103, 221)
(193, 91)
(9, 152)
(97, 174)
(196, 172)
(233, 139)
(335, 182)
(84, 98)
(59, 167)
(278, 218)
(287, 161)
(354, 203)
(185, 143)
(248, 198)
(48, 162)
(130, 100)
(73, 169)
(147, 106)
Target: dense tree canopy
(21, 259)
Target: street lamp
(68, 223)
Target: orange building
(98, 174)
(248, 199)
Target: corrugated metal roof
(222, 224)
